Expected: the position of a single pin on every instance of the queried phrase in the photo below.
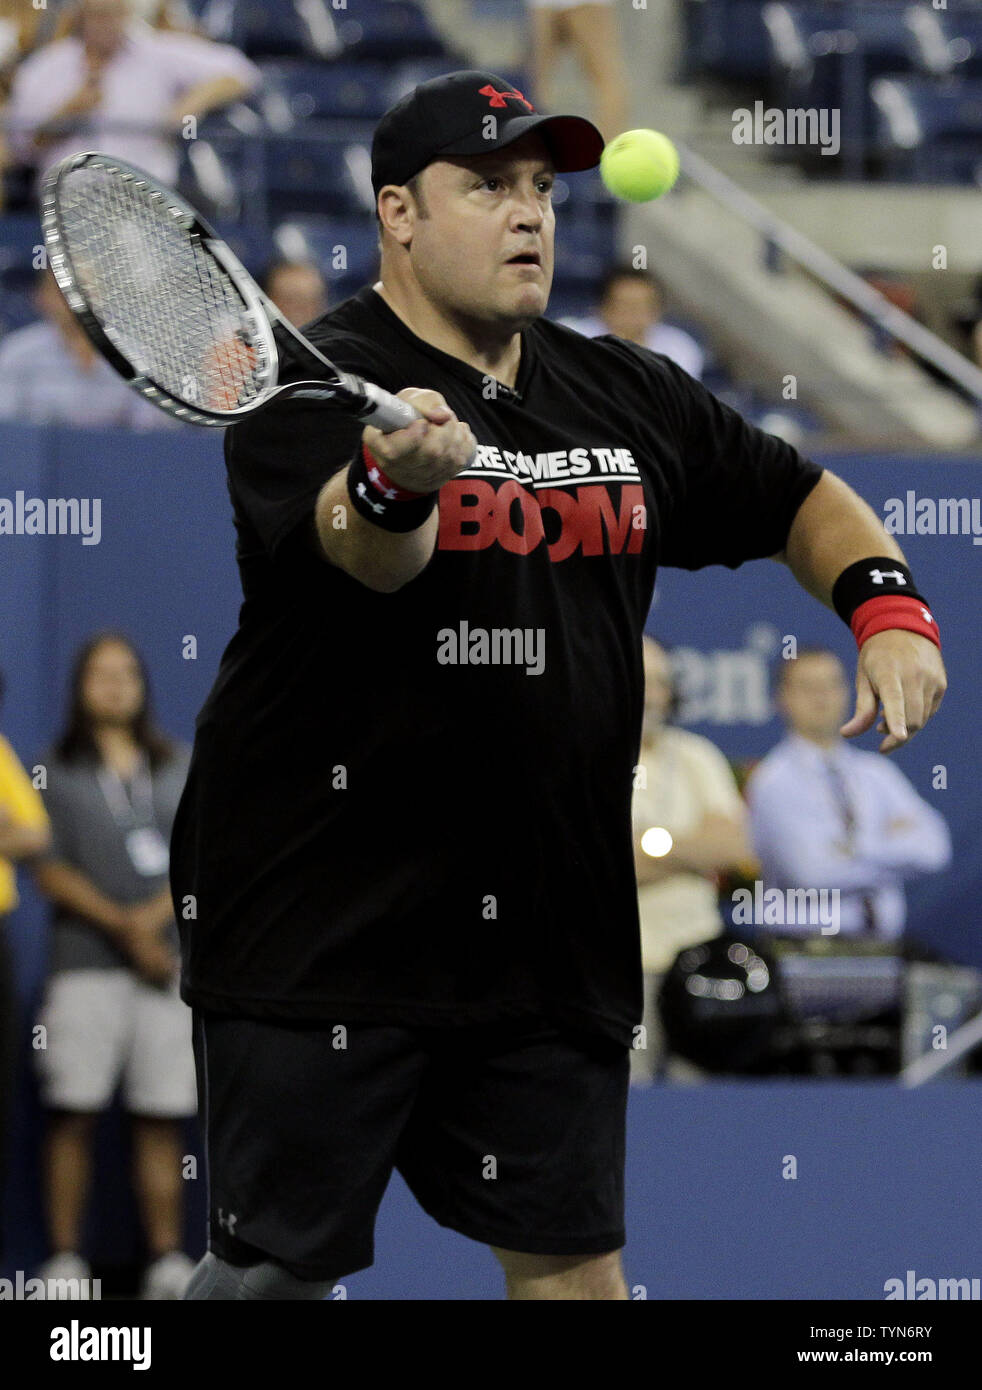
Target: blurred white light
(656, 841)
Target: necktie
(847, 811)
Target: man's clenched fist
(427, 453)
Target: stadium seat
(405, 76)
(274, 28)
(930, 133)
(725, 39)
(385, 30)
(825, 57)
(585, 248)
(20, 237)
(345, 249)
(250, 246)
(223, 167)
(948, 43)
(295, 92)
(583, 190)
(323, 176)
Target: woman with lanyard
(111, 1009)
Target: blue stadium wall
(710, 1215)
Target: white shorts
(104, 1027)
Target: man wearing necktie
(828, 815)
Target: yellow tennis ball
(639, 165)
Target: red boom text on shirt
(475, 514)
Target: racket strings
(162, 300)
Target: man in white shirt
(120, 86)
(50, 374)
(630, 304)
(825, 815)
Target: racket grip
(387, 412)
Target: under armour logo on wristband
(227, 1223)
(375, 474)
(877, 593)
(382, 501)
(362, 492)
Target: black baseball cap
(448, 116)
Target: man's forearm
(206, 96)
(22, 841)
(56, 127)
(381, 560)
(71, 889)
(160, 907)
(717, 844)
(68, 117)
(833, 528)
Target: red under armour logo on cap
(497, 98)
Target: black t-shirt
(415, 808)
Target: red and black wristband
(878, 593)
(381, 501)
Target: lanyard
(125, 813)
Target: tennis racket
(169, 306)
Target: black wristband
(389, 514)
(872, 578)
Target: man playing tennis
(403, 863)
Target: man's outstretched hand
(904, 672)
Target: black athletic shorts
(512, 1134)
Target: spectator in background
(826, 815)
(297, 289)
(630, 305)
(118, 85)
(50, 374)
(111, 1006)
(161, 14)
(22, 27)
(590, 29)
(24, 833)
(685, 787)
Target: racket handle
(387, 412)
